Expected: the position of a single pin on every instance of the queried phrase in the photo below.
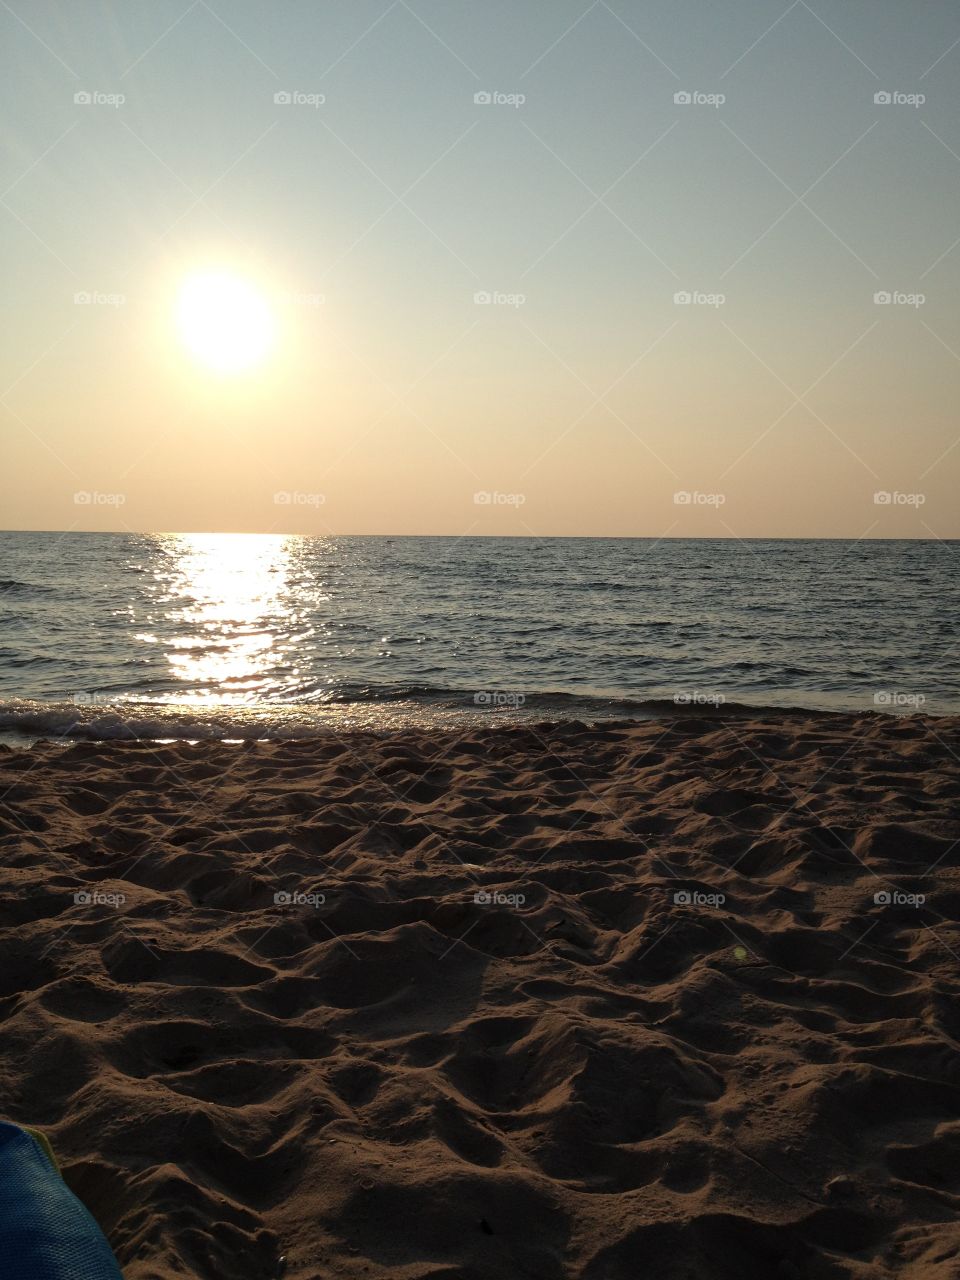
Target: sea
(239, 636)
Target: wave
(151, 721)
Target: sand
(602, 1081)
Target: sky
(659, 269)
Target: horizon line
(464, 537)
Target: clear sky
(364, 216)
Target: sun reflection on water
(231, 597)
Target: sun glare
(225, 321)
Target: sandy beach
(672, 999)
(480, 641)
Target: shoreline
(24, 723)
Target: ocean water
(200, 635)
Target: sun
(225, 321)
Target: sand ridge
(284, 1000)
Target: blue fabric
(45, 1232)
